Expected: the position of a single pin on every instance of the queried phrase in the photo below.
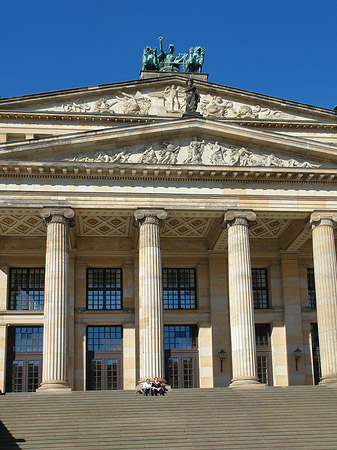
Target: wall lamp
(222, 355)
(298, 355)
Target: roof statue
(168, 62)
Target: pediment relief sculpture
(193, 151)
(170, 100)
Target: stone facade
(232, 209)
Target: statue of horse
(195, 60)
(150, 59)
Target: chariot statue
(168, 62)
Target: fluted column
(241, 299)
(55, 333)
(325, 268)
(151, 328)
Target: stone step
(198, 419)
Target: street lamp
(298, 355)
(222, 355)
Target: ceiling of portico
(179, 224)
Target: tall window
(179, 288)
(260, 288)
(311, 288)
(26, 289)
(104, 289)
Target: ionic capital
(234, 217)
(147, 216)
(327, 218)
(58, 215)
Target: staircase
(303, 417)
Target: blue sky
(285, 49)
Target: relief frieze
(169, 101)
(195, 151)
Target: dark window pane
(26, 289)
(179, 288)
(260, 288)
(311, 288)
(180, 337)
(104, 289)
(104, 338)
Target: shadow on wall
(7, 441)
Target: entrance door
(104, 371)
(104, 358)
(181, 370)
(181, 356)
(24, 363)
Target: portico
(144, 245)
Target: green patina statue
(168, 62)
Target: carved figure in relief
(103, 106)
(169, 153)
(149, 156)
(134, 104)
(150, 59)
(217, 155)
(172, 98)
(213, 106)
(195, 60)
(122, 157)
(76, 107)
(195, 151)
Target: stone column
(55, 332)
(151, 328)
(325, 268)
(241, 299)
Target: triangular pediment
(165, 97)
(192, 142)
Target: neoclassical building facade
(136, 241)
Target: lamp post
(298, 355)
(222, 355)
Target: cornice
(112, 119)
(126, 135)
(161, 173)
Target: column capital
(155, 216)
(238, 217)
(51, 214)
(328, 218)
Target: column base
(247, 383)
(329, 381)
(54, 386)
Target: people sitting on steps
(158, 387)
(147, 388)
